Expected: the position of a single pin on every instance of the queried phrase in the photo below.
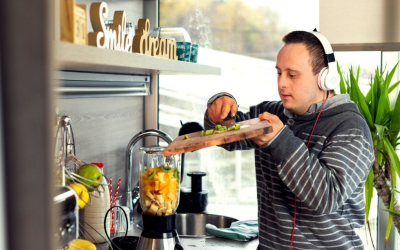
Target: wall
(361, 25)
(102, 129)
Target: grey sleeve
(272, 140)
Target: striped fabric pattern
(327, 177)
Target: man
(311, 168)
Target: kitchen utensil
(229, 121)
(194, 199)
(159, 198)
(249, 129)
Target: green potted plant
(383, 120)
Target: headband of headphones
(327, 46)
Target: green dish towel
(239, 230)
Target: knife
(229, 121)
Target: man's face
(297, 85)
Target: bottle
(95, 212)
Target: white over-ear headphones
(328, 78)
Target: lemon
(82, 244)
(82, 193)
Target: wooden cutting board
(248, 129)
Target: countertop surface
(240, 212)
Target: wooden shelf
(75, 57)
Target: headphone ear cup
(332, 80)
(322, 78)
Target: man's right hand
(221, 107)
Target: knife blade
(229, 121)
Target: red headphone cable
(309, 139)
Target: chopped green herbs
(219, 129)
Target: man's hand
(221, 107)
(277, 126)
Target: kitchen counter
(240, 212)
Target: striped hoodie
(327, 177)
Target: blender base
(159, 244)
(159, 233)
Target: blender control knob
(196, 181)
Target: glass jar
(183, 41)
(159, 182)
(177, 33)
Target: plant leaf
(395, 122)
(342, 87)
(382, 104)
(353, 91)
(386, 119)
(394, 86)
(389, 225)
(372, 99)
(369, 184)
(391, 212)
(372, 84)
(348, 85)
(390, 76)
(380, 130)
(392, 154)
(362, 104)
(393, 173)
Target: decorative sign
(154, 46)
(115, 37)
(73, 22)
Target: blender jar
(159, 182)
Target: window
(244, 43)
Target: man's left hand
(277, 126)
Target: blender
(159, 198)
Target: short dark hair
(313, 45)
